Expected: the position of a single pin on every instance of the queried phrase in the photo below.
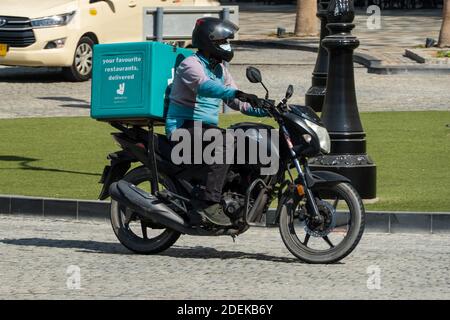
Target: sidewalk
(39, 257)
(381, 51)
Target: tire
(126, 237)
(81, 68)
(333, 254)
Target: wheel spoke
(327, 240)
(128, 215)
(336, 201)
(144, 230)
(305, 242)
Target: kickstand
(233, 236)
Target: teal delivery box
(132, 80)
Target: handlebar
(271, 108)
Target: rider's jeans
(213, 175)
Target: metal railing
(176, 24)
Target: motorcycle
(319, 214)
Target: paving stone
(36, 254)
(399, 29)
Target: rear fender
(120, 164)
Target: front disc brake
(328, 213)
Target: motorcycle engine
(233, 205)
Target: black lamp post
(340, 110)
(315, 95)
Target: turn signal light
(300, 190)
(307, 138)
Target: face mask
(226, 47)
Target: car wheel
(81, 68)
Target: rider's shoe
(210, 212)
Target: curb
(54, 208)
(398, 222)
(423, 56)
(372, 64)
(73, 209)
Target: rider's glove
(250, 98)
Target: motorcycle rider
(201, 83)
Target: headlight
(322, 134)
(53, 21)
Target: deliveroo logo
(121, 89)
(170, 80)
(169, 85)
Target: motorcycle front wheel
(333, 237)
(134, 232)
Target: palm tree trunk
(306, 21)
(444, 35)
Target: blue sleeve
(255, 112)
(213, 89)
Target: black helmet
(211, 35)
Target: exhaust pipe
(148, 206)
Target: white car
(62, 33)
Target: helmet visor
(224, 30)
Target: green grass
(443, 54)
(64, 157)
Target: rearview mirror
(289, 92)
(253, 75)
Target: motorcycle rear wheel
(140, 242)
(290, 223)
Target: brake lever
(266, 103)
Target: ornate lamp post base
(360, 169)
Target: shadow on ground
(31, 75)
(197, 252)
(25, 164)
(72, 102)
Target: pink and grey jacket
(198, 91)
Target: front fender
(322, 178)
(314, 179)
